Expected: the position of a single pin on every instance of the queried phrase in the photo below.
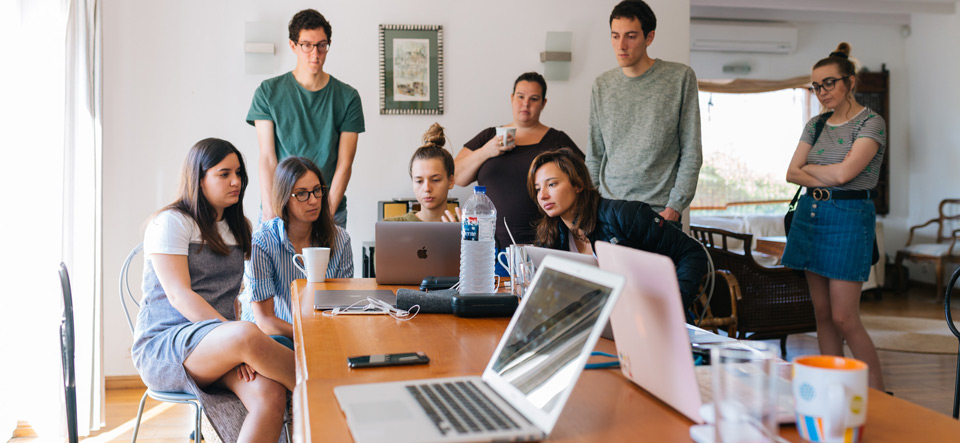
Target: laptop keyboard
(460, 406)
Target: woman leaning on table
(186, 338)
(832, 233)
(304, 220)
(575, 217)
(503, 169)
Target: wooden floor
(925, 379)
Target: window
(748, 140)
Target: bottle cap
(480, 189)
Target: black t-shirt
(505, 177)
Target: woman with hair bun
(832, 234)
(431, 173)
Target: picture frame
(411, 69)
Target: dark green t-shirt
(308, 123)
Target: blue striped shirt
(270, 270)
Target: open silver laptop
(653, 342)
(406, 252)
(326, 299)
(526, 382)
(537, 254)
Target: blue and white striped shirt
(270, 270)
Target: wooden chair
(755, 302)
(941, 251)
(67, 353)
(953, 329)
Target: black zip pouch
(484, 305)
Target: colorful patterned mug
(830, 396)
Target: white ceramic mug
(830, 396)
(315, 262)
(503, 131)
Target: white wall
(174, 74)
(934, 155)
(872, 45)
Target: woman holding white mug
(304, 221)
(500, 162)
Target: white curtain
(82, 202)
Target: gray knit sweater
(645, 135)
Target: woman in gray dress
(187, 338)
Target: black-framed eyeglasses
(303, 196)
(308, 47)
(828, 84)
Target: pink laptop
(652, 340)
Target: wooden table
(772, 245)
(604, 406)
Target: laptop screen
(540, 354)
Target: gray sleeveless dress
(164, 338)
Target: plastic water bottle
(477, 247)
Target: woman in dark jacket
(575, 216)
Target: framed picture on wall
(411, 69)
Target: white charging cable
(375, 306)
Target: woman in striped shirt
(304, 221)
(832, 234)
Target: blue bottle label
(470, 229)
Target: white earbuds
(375, 306)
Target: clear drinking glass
(745, 392)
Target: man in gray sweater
(644, 120)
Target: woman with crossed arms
(833, 229)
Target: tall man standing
(308, 113)
(644, 120)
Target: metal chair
(953, 329)
(169, 397)
(67, 353)
(164, 396)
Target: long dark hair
(291, 169)
(585, 205)
(206, 154)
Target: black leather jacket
(635, 224)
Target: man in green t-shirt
(308, 113)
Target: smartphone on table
(370, 361)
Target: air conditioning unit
(753, 37)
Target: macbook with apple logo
(406, 252)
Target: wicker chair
(752, 301)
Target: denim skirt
(833, 238)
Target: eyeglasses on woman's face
(826, 84)
(303, 196)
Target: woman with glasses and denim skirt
(304, 220)
(833, 230)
